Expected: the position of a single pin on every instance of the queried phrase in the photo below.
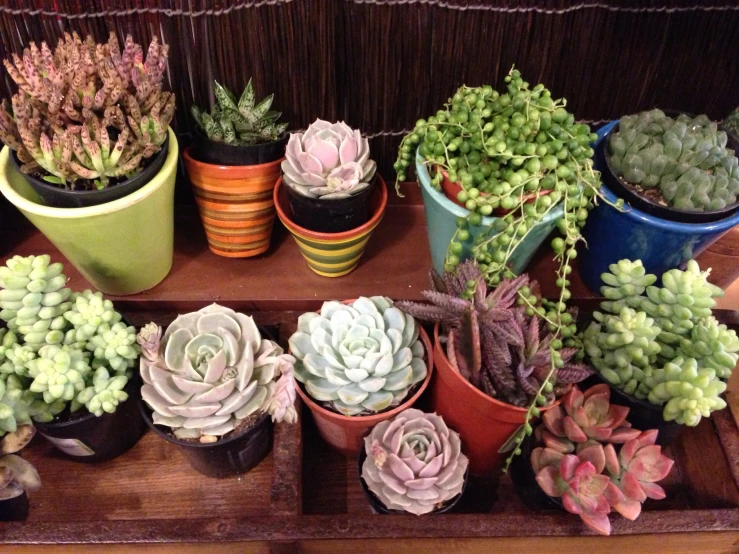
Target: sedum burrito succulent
(358, 358)
(414, 462)
(328, 161)
(210, 371)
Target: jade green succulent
(685, 159)
(358, 358)
(239, 122)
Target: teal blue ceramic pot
(441, 216)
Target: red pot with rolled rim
(484, 424)
(451, 189)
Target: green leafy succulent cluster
(59, 348)
(685, 158)
(239, 122)
(663, 344)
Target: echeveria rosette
(414, 462)
(210, 371)
(328, 161)
(358, 358)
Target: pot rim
(15, 198)
(332, 237)
(206, 167)
(481, 395)
(375, 418)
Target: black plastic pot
(642, 414)
(14, 509)
(96, 439)
(330, 216)
(379, 508)
(59, 197)
(219, 153)
(524, 481)
(227, 457)
(641, 202)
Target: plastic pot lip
(169, 167)
(478, 393)
(664, 224)
(204, 167)
(144, 411)
(375, 418)
(371, 224)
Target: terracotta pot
(332, 254)
(346, 434)
(235, 205)
(483, 423)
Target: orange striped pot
(235, 205)
(332, 254)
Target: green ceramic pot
(121, 247)
(441, 216)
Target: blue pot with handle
(660, 244)
(441, 224)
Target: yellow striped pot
(332, 254)
(235, 205)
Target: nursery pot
(379, 508)
(524, 481)
(96, 439)
(612, 235)
(235, 202)
(484, 424)
(121, 247)
(221, 154)
(332, 254)
(441, 222)
(14, 509)
(226, 457)
(643, 415)
(58, 197)
(345, 434)
(330, 216)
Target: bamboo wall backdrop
(382, 64)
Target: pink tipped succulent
(585, 416)
(639, 465)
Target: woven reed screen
(382, 64)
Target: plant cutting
(211, 383)
(413, 463)
(498, 364)
(359, 363)
(233, 166)
(576, 463)
(681, 183)
(330, 196)
(663, 349)
(90, 159)
(68, 356)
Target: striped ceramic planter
(332, 254)
(235, 205)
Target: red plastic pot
(346, 434)
(483, 423)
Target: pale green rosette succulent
(13, 406)
(58, 373)
(358, 358)
(713, 345)
(89, 310)
(105, 393)
(624, 285)
(114, 346)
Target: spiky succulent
(239, 122)
(685, 158)
(87, 113)
(16, 474)
(358, 358)
(490, 340)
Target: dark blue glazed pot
(661, 245)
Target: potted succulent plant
(17, 476)
(731, 126)
(233, 167)
(330, 196)
(359, 363)
(90, 159)
(70, 355)
(414, 464)
(496, 369)
(681, 182)
(572, 461)
(666, 356)
(213, 386)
